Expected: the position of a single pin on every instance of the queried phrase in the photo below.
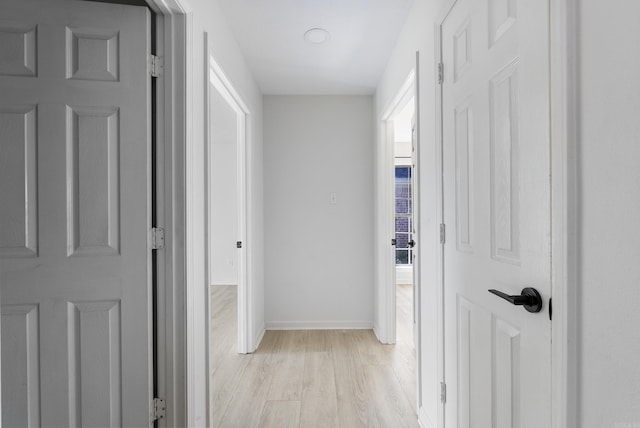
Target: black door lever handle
(529, 298)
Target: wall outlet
(333, 198)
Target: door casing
(173, 136)
(386, 331)
(218, 81)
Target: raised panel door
(75, 214)
(496, 193)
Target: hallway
(311, 378)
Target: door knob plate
(536, 299)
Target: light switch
(333, 198)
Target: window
(403, 209)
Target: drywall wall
(204, 17)
(319, 255)
(223, 188)
(416, 36)
(609, 203)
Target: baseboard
(381, 338)
(257, 339)
(319, 325)
(376, 331)
(223, 283)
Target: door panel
(75, 214)
(20, 386)
(496, 188)
(18, 224)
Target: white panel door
(496, 187)
(75, 214)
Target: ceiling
(270, 33)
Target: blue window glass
(403, 209)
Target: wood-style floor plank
(351, 380)
(403, 354)
(224, 384)
(388, 406)
(288, 377)
(281, 414)
(319, 406)
(245, 408)
(312, 378)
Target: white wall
(205, 16)
(319, 256)
(417, 35)
(223, 254)
(609, 204)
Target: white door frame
(564, 210)
(176, 293)
(218, 79)
(564, 213)
(182, 359)
(387, 293)
(386, 229)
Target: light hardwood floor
(312, 378)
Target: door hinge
(440, 73)
(239, 244)
(157, 238)
(442, 233)
(443, 392)
(156, 66)
(159, 409)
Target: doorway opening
(399, 270)
(403, 135)
(223, 258)
(398, 170)
(227, 277)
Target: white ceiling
(271, 36)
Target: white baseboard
(381, 338)
(375, 326)
(257, 339)
(319, 325)
(376, 331)
(223, 283)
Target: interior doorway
(403, 202)
(227, 277)
(398, 170)
(223, 226)
(399, 218)
(227, 194)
